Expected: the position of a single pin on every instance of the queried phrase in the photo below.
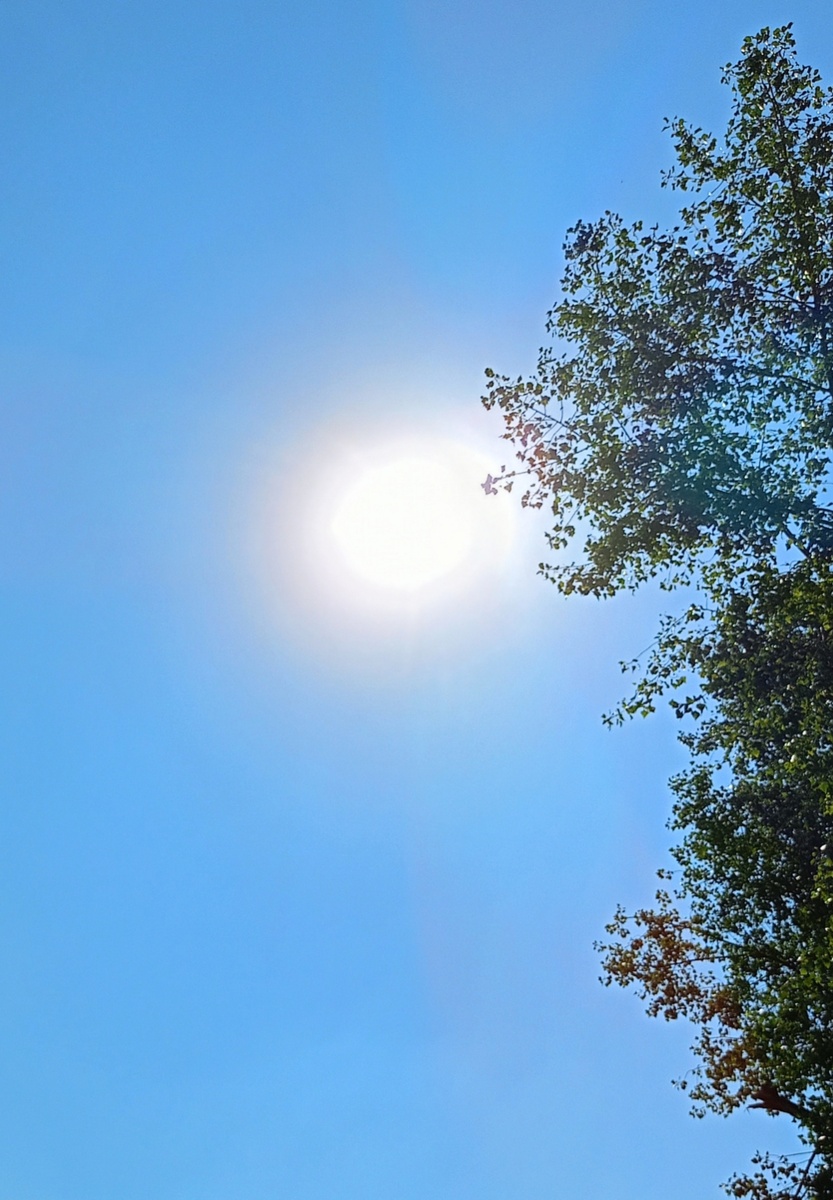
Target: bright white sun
(406, 523)
(378, 536)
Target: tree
(681, 429)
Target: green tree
(680, 429)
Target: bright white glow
(406, 523)
(379, 543)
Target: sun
(380, 539)
(410, 518)
(405, 524)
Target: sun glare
(407, 519)
(406, 523)
(387, 532)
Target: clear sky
(298, 880)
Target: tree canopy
(680, 428)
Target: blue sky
(297, 903)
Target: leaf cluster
(686, 418)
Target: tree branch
(769, 1099)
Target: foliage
(680, 429)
